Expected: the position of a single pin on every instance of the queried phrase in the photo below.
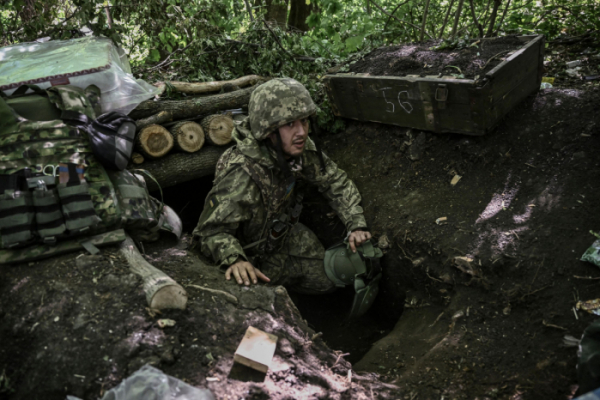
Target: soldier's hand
(245, 272)
(357, 238)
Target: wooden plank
(515, 79)
(256, 349)
(512, 68)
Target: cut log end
(218, 129)
(137, 158)
(154, 141)
(172, 296)
(188, 136)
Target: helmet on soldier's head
(276, 103)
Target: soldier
(249, 222)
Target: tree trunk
(493, 18)
(457, 18)
(206, 87)
(424, 20)
(154, 141)
(158, 119)
(188, 136)
(276, 11)
(299, 12)
(217, 129)
(162, 292)
(183, 167)
(502, 18)
(446, 18)
(475, 21)
(193, 107)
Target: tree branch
(395, 9)
(477, 24)
(397, 19)
(446, 18)
(425, 20)
(249, 10)
(502, 18)
(457, 18)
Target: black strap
(74, 116)
(22, 90)
(73, 175)
(317, 130)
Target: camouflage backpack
(54, 194)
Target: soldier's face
(293, 137)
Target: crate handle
(441, 92)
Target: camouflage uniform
(250, 189)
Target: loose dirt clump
(419, 58)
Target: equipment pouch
(16, 218)
(48, 216)
(77, 207)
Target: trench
(327, 313)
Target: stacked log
(218, 129)
(195, 129)
(154, 141)
(188, 136)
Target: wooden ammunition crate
(438, 104)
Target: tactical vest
(52, 187)
(281, 197)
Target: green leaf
(353, 43)
(154, 55)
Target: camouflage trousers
(298, 265)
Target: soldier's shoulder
(231, 158)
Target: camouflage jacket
(236, 210)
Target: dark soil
(488, 328)
(522, 212)
(418, 59)
(586, 50)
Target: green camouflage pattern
(16, 218)
(236, 211)
(298, 265)
(85, 101)
(43, 145)
(276, 103)
(49, 219)
(41, 251)
(137, 210)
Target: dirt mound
(78, 325)
(490, 290)
(419, 59)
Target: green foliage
(203, 40)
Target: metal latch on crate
(441, 95)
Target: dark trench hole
(325, 313)
(187, 199)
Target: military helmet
(361, 269)
(276, 103)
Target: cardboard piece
(256, 349)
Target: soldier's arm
(341, 192)
(229, 203)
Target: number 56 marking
(406, 106)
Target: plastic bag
(592, 254)
(149, 383)
(80, 62)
